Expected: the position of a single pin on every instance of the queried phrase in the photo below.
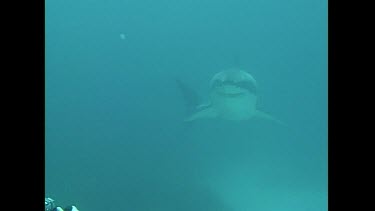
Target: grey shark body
(233, 96)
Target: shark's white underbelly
(234, 108)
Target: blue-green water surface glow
(115, 139)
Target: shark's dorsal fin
(264, 115)
(208, 112)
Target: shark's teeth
(231, 94)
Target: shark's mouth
(225, 94)
(233, 89)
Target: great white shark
(233, 96)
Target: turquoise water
(115, 139)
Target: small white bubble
(122, 36)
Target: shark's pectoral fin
(263, 115)
(203, 106)
(202, 114)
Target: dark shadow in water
(157, 196)
(190, 97)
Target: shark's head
(233, 94)
(233, 83)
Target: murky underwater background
(115, 139)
